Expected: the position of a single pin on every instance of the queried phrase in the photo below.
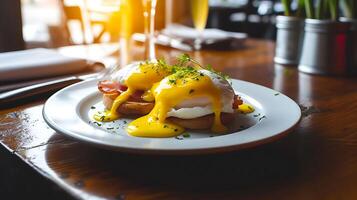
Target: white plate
(70, 110)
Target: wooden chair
(75, 13)
(72, 13)
(11, 38)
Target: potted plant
(289, 34)
(327, 46)
(349, 15)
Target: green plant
(325, 9)
(348, 8)
(286, 5)
(333, 6)
(321, 9)
(318, 10)
(309, 9)
(301, 9)
(300, 12)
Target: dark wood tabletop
(317, 160)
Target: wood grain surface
(318, 160)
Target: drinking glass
(125, 31)
(199, 10)
(149, 7)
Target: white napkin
(185, 32)
(35, 63)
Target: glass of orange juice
(199, 11)
(126, 29)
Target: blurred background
(55, 23)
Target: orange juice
(199, 9)
(125, 18)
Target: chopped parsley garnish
(191, 91)
(184, 70)
(186, 135)
(172, 81)
(92, 107)
(179, 138)
(96, 123)
(185, 60)
(160, 67)
(161, 62)
(184, 74)
(276, 94)
(261, 118)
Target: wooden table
(318, 160)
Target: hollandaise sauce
(168, 87)
(149, 126)
(112, 114)
(168, 94)
(141, 79)
(246, 108)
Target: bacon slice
(137, 96)
(111, 87)
(237, 101)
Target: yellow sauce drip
(113, 114)
(168, 95)
(157, 84)
(246, 108)
(141, 79)
(148, 96)
(148, 127)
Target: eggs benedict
(128, 92)
(169, 98)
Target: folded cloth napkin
(210, 38)
(211, 34)
(35, 63)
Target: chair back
(72, 13)
(11, 38)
